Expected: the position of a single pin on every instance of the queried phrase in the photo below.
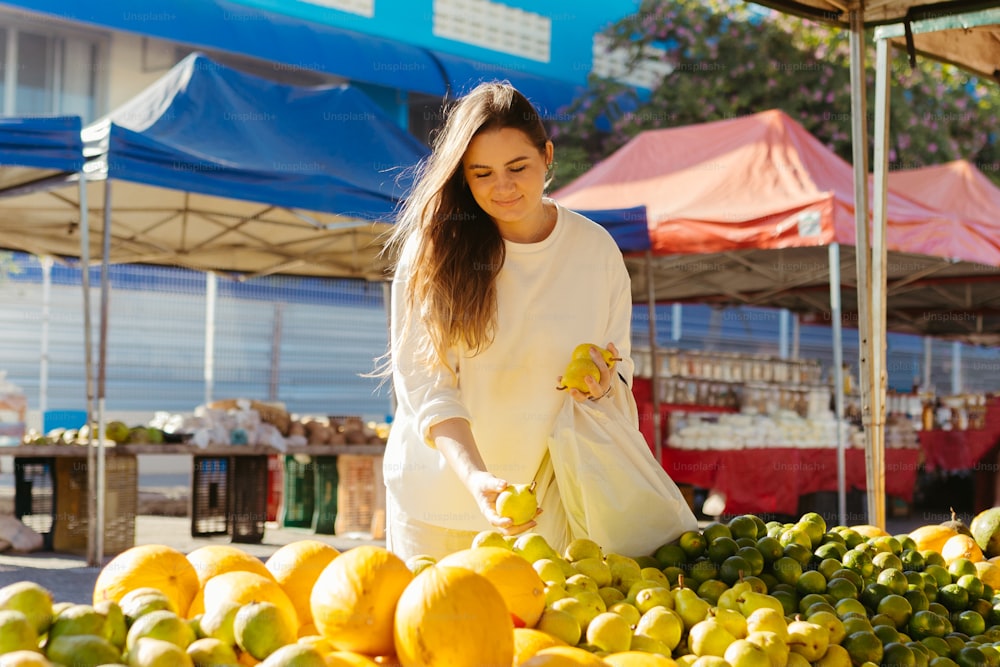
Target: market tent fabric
(626, 225)
(955, 186)
(215, 169)
(35, 148)
(743, 211)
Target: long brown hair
(459, 250)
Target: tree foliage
(731, 58)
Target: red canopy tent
(955, 186)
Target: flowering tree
(728, 58)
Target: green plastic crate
(297, 502)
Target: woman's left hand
(598, 389)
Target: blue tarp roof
(41, 142)
(627, 225)
(207, 128)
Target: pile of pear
(143, 629)
(745, 593)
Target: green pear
(627, 611)
(729, 598)
(773, 644)
(834, 626)
(582, 547)
(489, 538)
(648, 644)
(555, 592)
(610, 595)
(662, 624)
(654, 574)
(731, 620)
(151, 652)
(643, 584)
(560, 623)
(625, 571)
(79, 619)
(261, 629)
(17, 632)
(577, 609)
(654, 596)
(115, 618)
(533, 546)
(217, 621)
(549, 571)
(160, 624)
(749, 602)
(808, 639)
(709, 637)
(143, 600)
(518, 503)
(835, 656)
(609, 632)
(82, 650)
(580, 582)
(691, 608)
(798, 660)
(742, 653)
(771, 620)
(211, 652)
(31, 599)
(596, 569)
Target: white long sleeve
(568, 289)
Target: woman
(494, 286)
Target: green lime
(840, 588)
(743, 542)
(920, 652)
(936, 645)
(932, 557)
(851, 575)
(973, 584)
(788, 599)
(701, 570)
(860, 562)
(942, 661)
(802, 554)
(831, 536)
(786, 570)
(813, 530)
(673, 574)
(886, 560)
(743, 525)
(721, 548)
(905, 541)
(711, 589)
(809, 599)
(970, 656)
(715, 529)
(733, 569)
(828, 566)
(863, 646)
(970, 622)
(817, 606)
(887, 633)
(939, 572)
(770, 548)
(770, 581)
(926, 624)
(887, 543)
(961, 566)
(856, 623)
(670, 555)
(795, 535)
(898, 655)
(939, 609)
(757, 585)
(912, 560)
(761, 525)
(846, 606)
(871, 594)
(833, 550)
(693, 543)
(917, 599)
(811, 581)
(852, 537)
(897, 608)
(753, 557)
(954, 597)
(894, 579)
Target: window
(44, 72)
(496, 26)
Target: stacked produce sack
(740, 593)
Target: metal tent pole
(838, 379)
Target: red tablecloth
(770, 480)
(956, 450)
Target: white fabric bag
(612, 489)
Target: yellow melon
(985, 528)
(355, 596)
(451, 616)
(638, 659)
(514, 577)
(961, 546)
(348, 659)
(989, 573)
(932, 537)
(241, 587)
(149, 565)
(564, 656)
(296, 567)
(528, 642)
(213, 559)
(869, 531)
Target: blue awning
(41, 142)
(628, 226)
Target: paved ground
(71, 580)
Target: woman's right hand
(485, 488)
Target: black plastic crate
(210, 496)
(298, 501)
(35, 495)
(248, 510)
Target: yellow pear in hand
(576, 372)
(582, 351)
(518, 503)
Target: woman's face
(506, 175)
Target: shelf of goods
(963, 449)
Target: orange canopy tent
(745, 211)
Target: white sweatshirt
(568, 289)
